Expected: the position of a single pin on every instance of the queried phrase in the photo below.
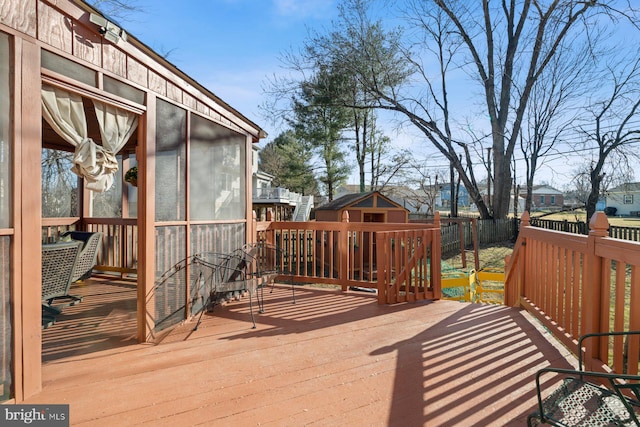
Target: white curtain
(97, 164)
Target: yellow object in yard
(490, 286)
(482, 286)
(457, 286)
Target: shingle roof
(343, 201)
(626, 188)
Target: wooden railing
(53, 228)
(408, 263)
(119, 250)
(352, 254)
(402, 261)
(576, 284)
(119, 243)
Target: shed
(363, 207)
(78, 84)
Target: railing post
(254, 227)
(343, 250)
(436, 258)
(592, 310)
(474, 237)
(461, 233)
(513, 289)
(381, 265)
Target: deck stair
(303, 210)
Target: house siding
(617, 200)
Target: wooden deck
(333, 359)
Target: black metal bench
(222, 277)
(589, 398)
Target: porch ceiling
(332, 359)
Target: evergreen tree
(320, 123)
(289, 160)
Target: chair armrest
(599, 335)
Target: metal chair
(583, 400)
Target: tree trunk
(594, 195)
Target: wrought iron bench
(215, 278)
(248, 269)
(265, 262)
(58, 263)
(590, 398)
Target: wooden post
(474, 237)
(28, 254)
(254, 227)
(513, 290)
(463, 254)
(343, 250)
(436, 258)
(381, 264)
(146, 221)
(592, 299)
(525, 221)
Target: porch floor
(332, 359)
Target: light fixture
(108, 29)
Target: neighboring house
(625, 198)
(445, 195)
(59, 60)
(544, 197)
(285, 205)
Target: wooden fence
(580, 227)
(455, 231)
(577, 284)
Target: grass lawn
(490, 256)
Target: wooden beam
(29, 141)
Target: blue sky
(229, 46)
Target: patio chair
(584, 400)
(88, 254)
(58, 263)
(265, 262)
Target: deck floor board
(332, 359)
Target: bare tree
(547, 119)
(59, 184)
(118, 9)
(610, 126)
(503, 47)
(421, 186)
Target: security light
(109, 30)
